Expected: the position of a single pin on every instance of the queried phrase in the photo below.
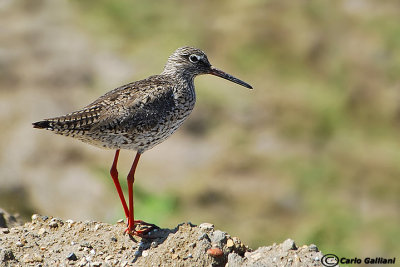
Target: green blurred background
(313, 153)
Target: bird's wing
(136, 102)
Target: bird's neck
(177, 71)
(184, 82)
(184, 78)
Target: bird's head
(191, 62)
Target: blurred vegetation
(313, 153)
(323, 121)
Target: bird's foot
(144, 228)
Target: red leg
(114, 175)
(131, 180)
(131, 221)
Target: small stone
(96, 227)
(121, 221)
(14, 230)
(215, 252)
(175, 256)
(145, 253)
(297, 259)
(35, 258)
(5, 230)
(171, 250)
(109, 257)
(35, 217)
(137, 253)
(141, 245)
(53, 224)
(44, 217)
(93, 252)
(256, 256)
(235, 260)
(19, 244)
(41, 231)
(124, 263)
(316, 258)
(27, 258)
(236, 240)
(72, 243)
(207, 226)
(313, 247)
(189, 256)
(96, 264)
(69, 223)
(192, 245)
(267, 248)
(86, 245)
(82, 262)
(114, 239)
(154, 244)
(218, 237)
(72, 257)
(204, 236)
(230, 243)
(6, 255)
(288, 244)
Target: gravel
(89, 243)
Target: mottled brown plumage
(141, 114)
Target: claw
(141, 232)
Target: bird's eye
(194, 58)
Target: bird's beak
(220, 73)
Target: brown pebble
(215, 252)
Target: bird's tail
(43, 125)
(78, 121)
(58, 125)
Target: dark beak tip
(224, 75)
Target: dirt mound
(48, 241)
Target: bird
(139, 115)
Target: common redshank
(139, 115)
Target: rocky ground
(47, 241)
